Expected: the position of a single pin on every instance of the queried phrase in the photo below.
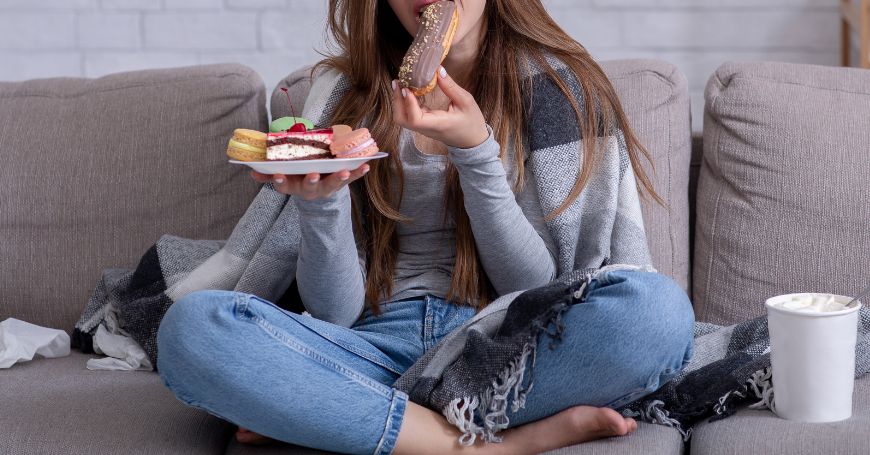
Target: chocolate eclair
(438, 24)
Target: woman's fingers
(331, 183)
(458, 95)
(261, 178)
(431, 122)
(398, 106)
(304, 186)
(314, 186)
(358, 173)
(407, 111)
(310, 183)
(413, 113)
(339, 179)
(284, 184)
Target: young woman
(446, 228)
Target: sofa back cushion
(784, 193)
(96, 170)
(655, 97)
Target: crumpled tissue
(20, 341)
(123, 352)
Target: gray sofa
(775, 198)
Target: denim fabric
(308, 382)
(632, 333)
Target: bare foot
(245, 436)
(571, 426)
(425, 431)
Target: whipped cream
(810, 303)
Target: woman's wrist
(324, 205)
(485, 152)
(474, 137)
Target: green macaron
(285, 123)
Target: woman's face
(470, 14)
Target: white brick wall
(95, 37)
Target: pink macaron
(355, 144)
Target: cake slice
(299, 145)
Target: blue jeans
(308, 382)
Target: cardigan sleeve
(513, 252)
(328, 270)
(330, 273)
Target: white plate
(302, 167)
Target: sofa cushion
(274, 448)
(96, 170)
(648, 439)
(56, 406)
(655, 97)
(784, 193)
(751, 431)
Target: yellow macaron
(247, 145)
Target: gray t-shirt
(512, 239)
(427, 245)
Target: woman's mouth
(420, 5)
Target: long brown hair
(371, 43)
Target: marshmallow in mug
(811, 304)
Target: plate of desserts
(293, 146)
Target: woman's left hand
(461, 126)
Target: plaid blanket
(730, 367)
(603, 226)
(480, 369)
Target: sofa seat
(56, 406)
(648, 439)
(751, 431)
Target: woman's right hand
(312, 186)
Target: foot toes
(632, 425)
(249, 437)
(613, 424)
